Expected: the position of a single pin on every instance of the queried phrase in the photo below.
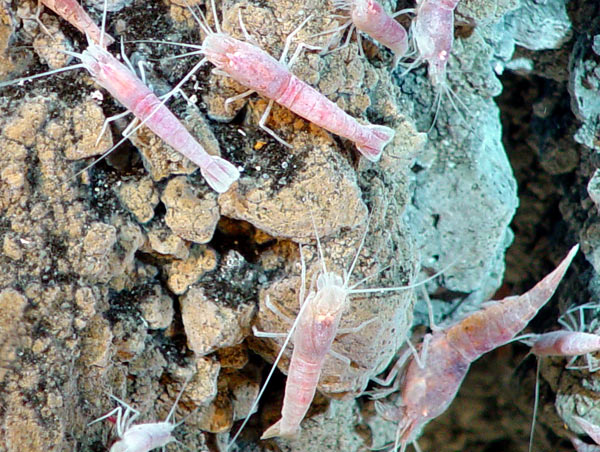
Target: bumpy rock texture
(133, 276)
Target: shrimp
(564, 343)
(430, 386)
(260, 72)
(369, 17)
(141, 437)
(128, 89)
(313, 332)
(572, 342)
(73, 13)
(433, 33)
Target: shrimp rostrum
(429, 386)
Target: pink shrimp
(433, 33)
(563, 343)
(369, 17)
(72, 12)
(128, 89)
(570, 342)
(115, 77)
(313, 332)
(260, 72)
(429, 387)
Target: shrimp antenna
(409, 286)
(174, 407)
(213, 5)
(452, 96)
(535, 402)
(324, 267)
(360, 246)
(198, 48)
(202, 23)
(103, 30)
(438, 101)
(183, 55)
(43, 74)
(273, 367)
(171, 43)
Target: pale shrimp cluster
(429, 39)
(370, 18)
(427, 382)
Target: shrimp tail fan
(382, 135)
(275, 430)
(220, 174)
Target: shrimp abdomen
(307, 102)
(300, 388)
(500, 321)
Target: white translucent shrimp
(130, 91)
(260, 72)
(142, 437)
(312, 333)
(571, 342)
(432, 32)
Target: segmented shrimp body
(128, 89)
(315, 331)
(259, 71)
(73, 12)
(432, 30)
(370, 18)
(141, 437)
(428, 390)
(576, 339)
